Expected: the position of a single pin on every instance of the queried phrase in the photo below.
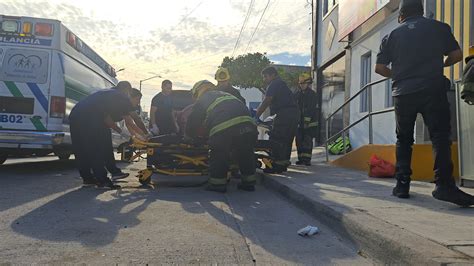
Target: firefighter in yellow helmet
(307, 126)
(230, 129)
(223, 83)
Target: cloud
(166, 38)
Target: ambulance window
(22, 65)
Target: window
(388, 94)
(328, 5)
(365, 76)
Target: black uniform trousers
(434, 107)
(282, 135)
(109, 154)
(304, 145)
(90, 149)
(225, 148)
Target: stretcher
(175, 156)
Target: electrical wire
(243, 26)
(256, 27)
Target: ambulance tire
(3, 158)
(63, 155)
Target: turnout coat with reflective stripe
(307, 103)
(219, 112)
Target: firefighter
(230, 130)
(223, 83)
(307, 101)
(417, 51)
(280, 99)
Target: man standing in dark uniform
(307, 102)
(162, 121)
(90, 123)
(223, 83)
(280, 99)
(416, 51)
(231, 131)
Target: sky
(181, 40)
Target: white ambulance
(44, 70)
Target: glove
(155, 130)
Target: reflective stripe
(232, 122)
(285, 163)
(217, 181)
(305, 155)
(249, 179)
(314, 124)
(218, 101)
(307, 119)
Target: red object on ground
(378, 167)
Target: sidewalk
(419, 230)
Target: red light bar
(71, 39)
(43, 29)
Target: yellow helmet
(201, 87)
(222, 74)
(305, 77)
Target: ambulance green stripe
(13, 89)
(17, 93)
(37, 123)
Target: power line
(189, 14)
(243, 26)
(258, 24)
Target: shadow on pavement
(83, 215)
(22, 183)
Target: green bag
(339, 145)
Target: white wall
(384, 124)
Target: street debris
(308, 231)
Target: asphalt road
(46, 217)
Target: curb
(381, 241)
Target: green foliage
(245, 69)
(291, 78)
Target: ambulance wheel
(3, 158)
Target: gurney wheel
(144, 176)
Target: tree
(245, 69)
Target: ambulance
(45, 69)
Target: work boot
(299, 162)
(216, 188)
(88, 182)
(451, 193)
(246, 187)
(307, 163)
(108, 185)
(273, 170)
(402, 189)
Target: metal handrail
(368, 115)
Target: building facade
(345, 44)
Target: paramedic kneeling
(231, 130)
